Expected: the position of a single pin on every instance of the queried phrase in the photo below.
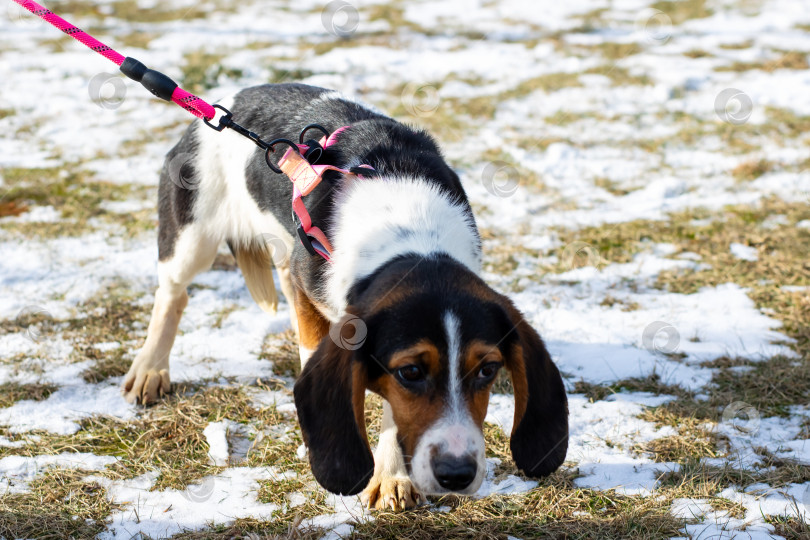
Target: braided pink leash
(160, 85)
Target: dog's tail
(256, 262)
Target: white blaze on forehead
(454, 434)
(455, 399)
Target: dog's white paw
(390, 493)
(145, 386)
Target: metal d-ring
(271, 149)
(312, 126)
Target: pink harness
(305, 177)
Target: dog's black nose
(453, 473)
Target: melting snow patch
(214, 500)
(216, 435)
(623, 474)
(506, 486)
(17, 471)
(743, 252)
(63, 409)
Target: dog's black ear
(540, 430)
(330, 397)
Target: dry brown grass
(77, 195)
(614, 188)
(253, 529)
(697, 53)
(787, 60)
(652, 383)
(751, 170)
(695, 438)
(59, 505)
(680, 11)
(166, 438)
(13, 392)
(12, 208)
(112, 315)
(282, 350)
(203, 70)
(554, 510)
(790, 528)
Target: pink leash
(304, 175)
(160, 85)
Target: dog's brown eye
(410, 373)
(488, 371)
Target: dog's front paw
(390, 492)
(146, 386)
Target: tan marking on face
(424, 354)
(413, 413)
(476, 354)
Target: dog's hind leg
(148, 377)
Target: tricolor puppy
(399, 309)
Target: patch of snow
(743, 252)
(216, 435)
(214, 500)
(16, 472)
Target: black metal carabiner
(271, 149)
(226, 120)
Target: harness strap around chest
(305, 177)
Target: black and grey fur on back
(281, 111)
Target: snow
(216, 434)
(743, 252)
(214, 500)
(60, 412)
(16, 472)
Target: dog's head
(430, 337)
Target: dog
(403, 272)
